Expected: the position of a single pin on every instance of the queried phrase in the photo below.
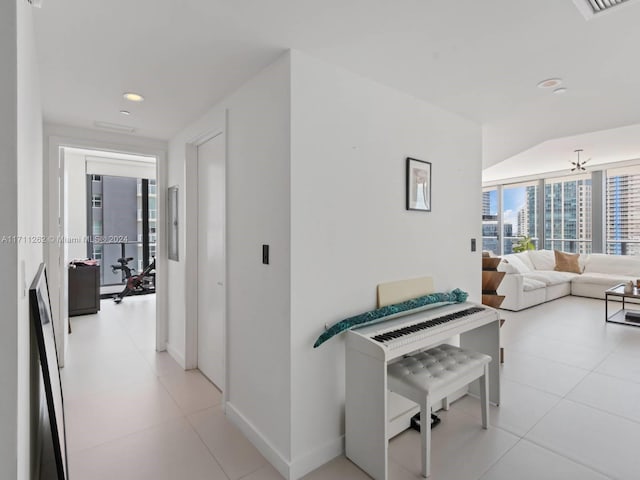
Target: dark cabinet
(84, 289)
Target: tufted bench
(432, 375)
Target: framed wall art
(418, 185)
(51, 434)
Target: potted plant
(524, 244)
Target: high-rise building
(623, 211)
(567, 210)
(532, 213)
(116, 223)
(523, 222)
(490, 221)
(486, 203)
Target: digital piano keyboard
(402, 335)
(371, 348)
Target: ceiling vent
(114, 127)
(594, 8)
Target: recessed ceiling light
(560, 90)
(125, 112)
(550, 83)
(133, 97)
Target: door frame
(191, 250)
(54, 218)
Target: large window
(567, 214)
(123, 216)
(519, 214)
(623, 210)
(510, 213)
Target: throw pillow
(567, 262)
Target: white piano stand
(367, 429)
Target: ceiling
(111, 155)
(479, 58)
(554, 157)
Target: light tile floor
(570, 407)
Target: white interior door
(211, 260)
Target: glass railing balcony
(111, 252)
(623, 247)
(511, 241)
(570, 245)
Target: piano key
(411, 329)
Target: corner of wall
(350, 229)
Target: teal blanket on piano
(395, 310)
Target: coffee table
(619, 316)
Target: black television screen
(52, 432)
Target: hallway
(134, 414)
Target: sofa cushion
(551, 277)
(524, 256)
(506, 267)
(626, 265)
(567, 262)
(529, 284)
(542, 259)
(516, 263)
(604, 279)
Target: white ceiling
(481, 59)
(554, 157)
(110, 155)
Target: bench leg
(445, 404)
(484, 397)
(425, 433)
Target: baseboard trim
(316, 458)
(290, 470)
(275, 458)
(176, 355)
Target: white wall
(8, 251)
(258, 142)
(30, 216)
(316, 168)
(76, 188)
(21, 215)
(182, 301)
(350, 230)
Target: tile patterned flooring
(570, 407)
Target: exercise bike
(144, 282)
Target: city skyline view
(567, 217)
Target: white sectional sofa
(531, 277)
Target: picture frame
(172, 224)
(52, 438)
(418, 188)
